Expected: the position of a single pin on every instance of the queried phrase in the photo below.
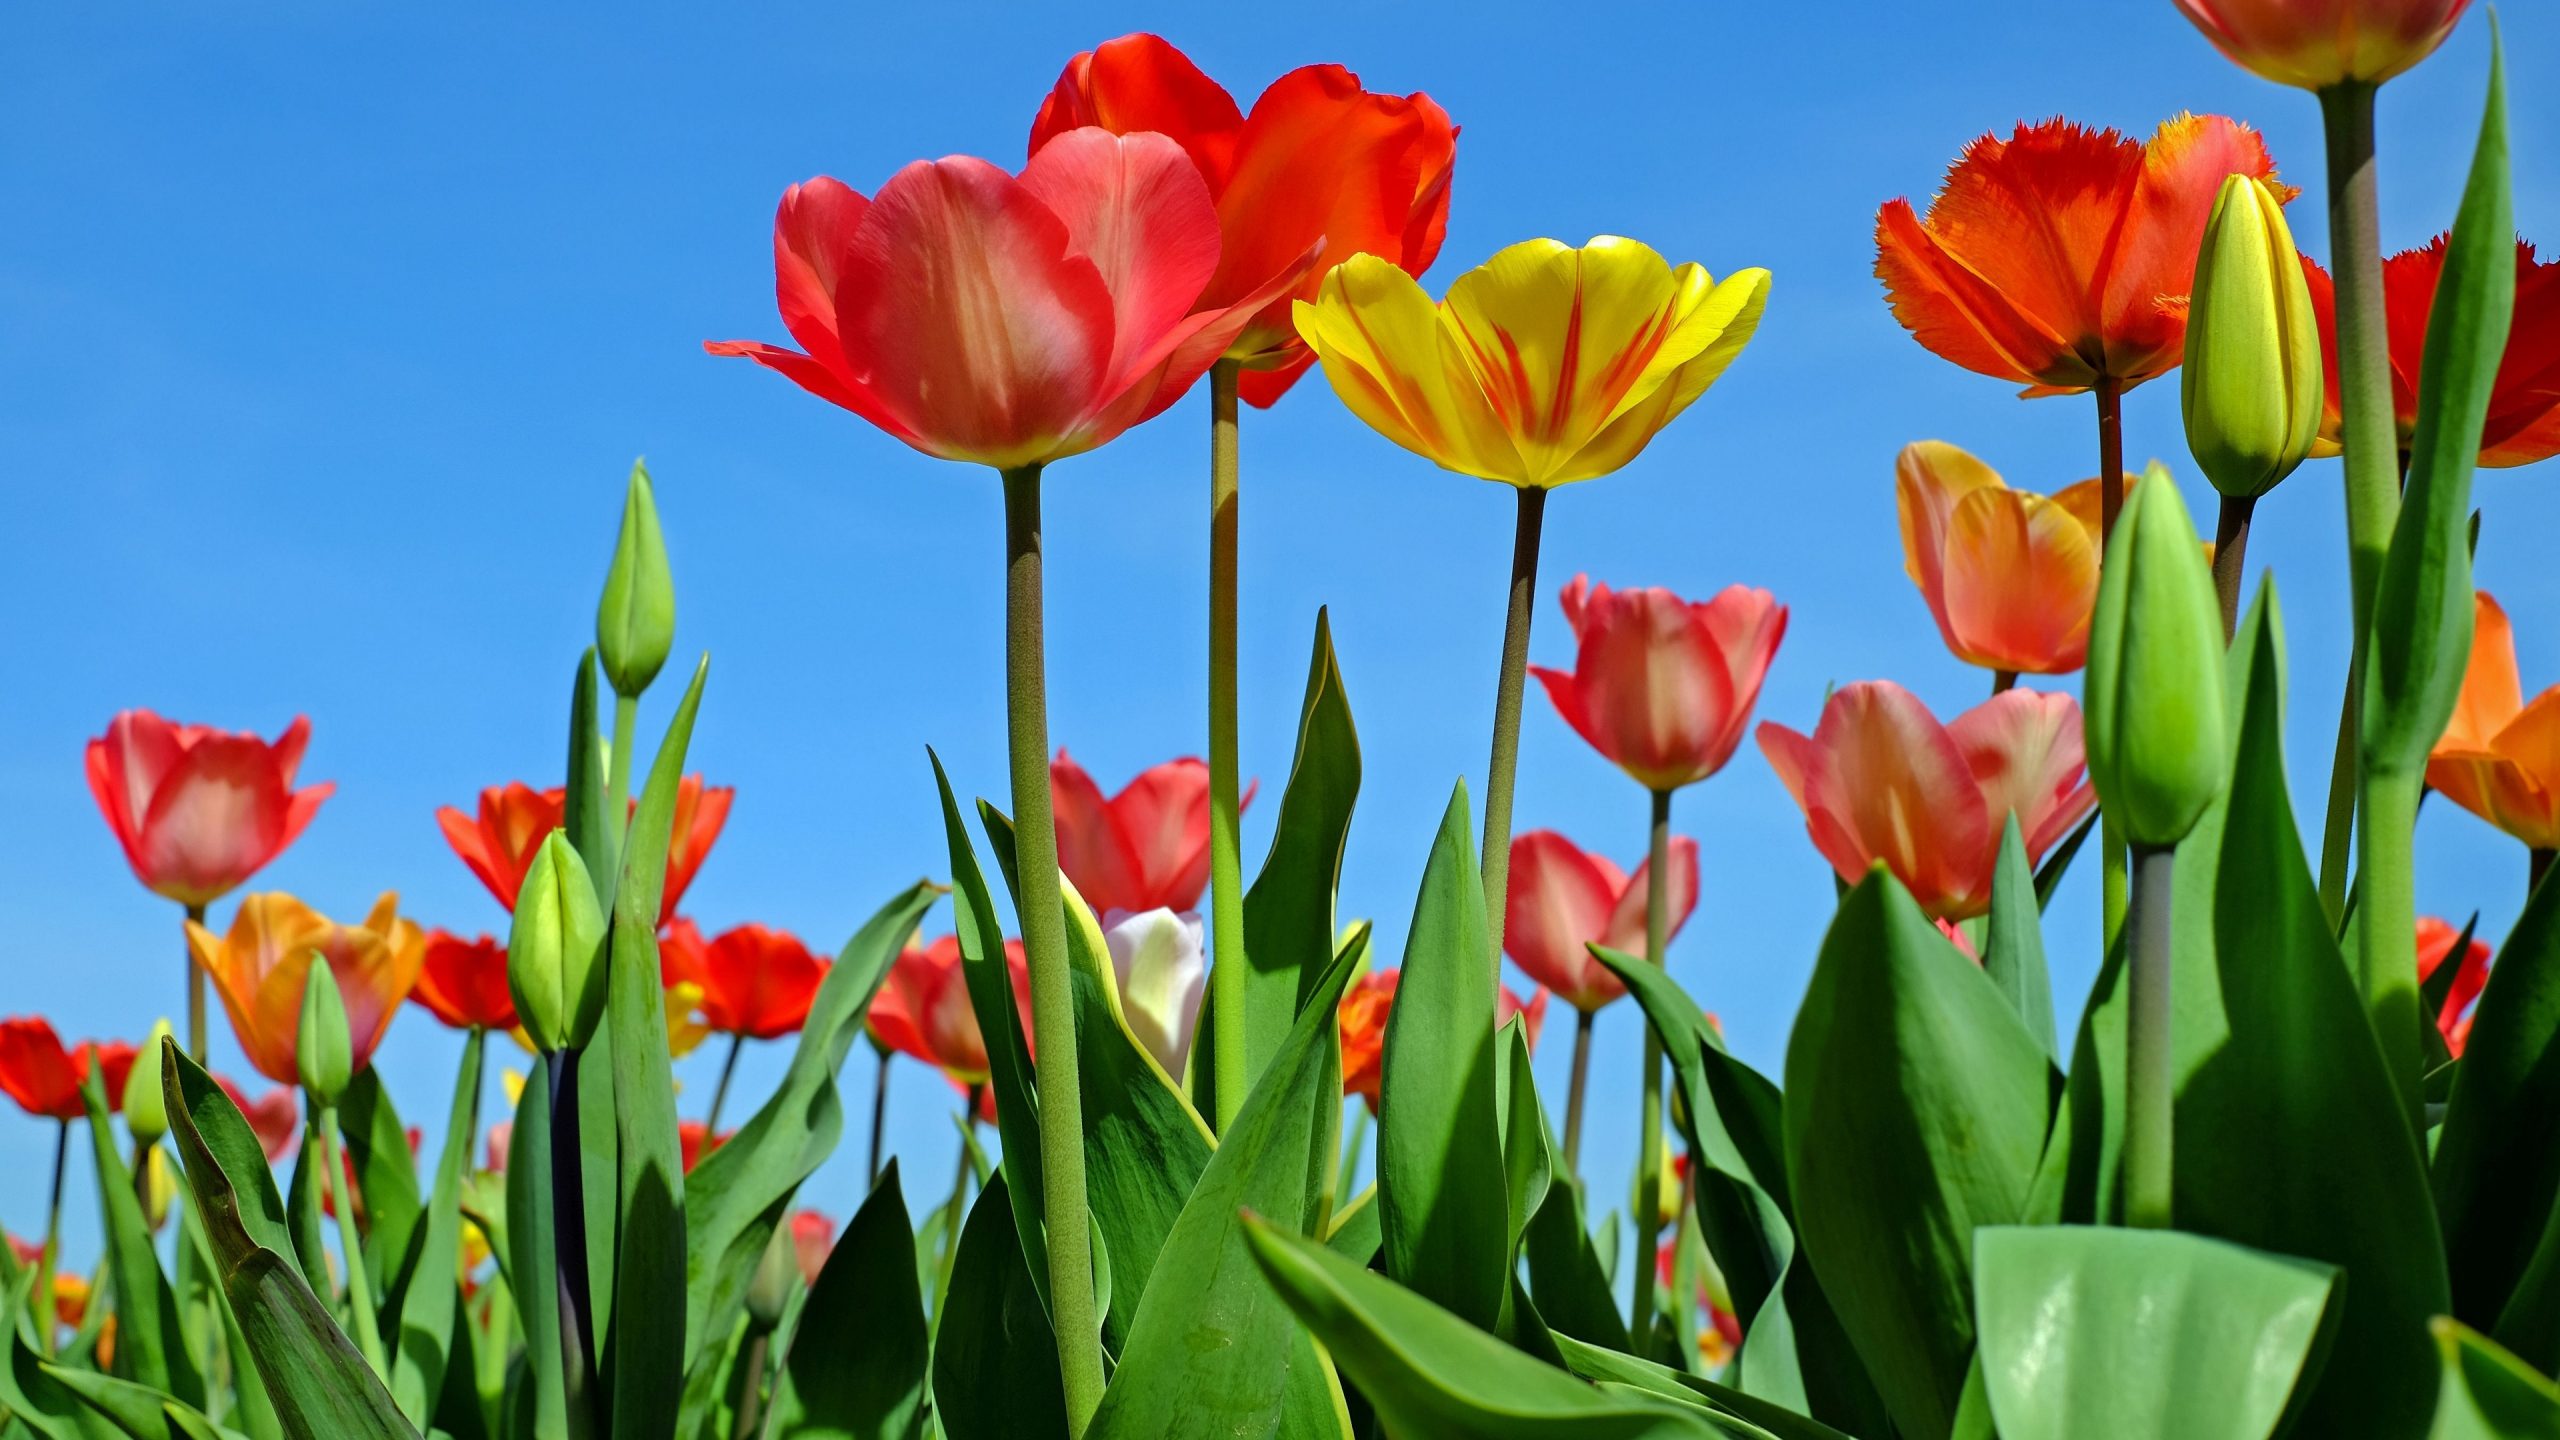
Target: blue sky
(331, 333)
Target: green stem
(617, 791)
(195, 990)
(2111, 852)
(879, 1118)
(1073, 1314)
(1505, 765)
(2231, 556)
(955, 1209)
(2387, 921)
(40, 1299)
(1574, 1093)
(720, 1091)
(333, 1181)
(749, 1420)
(1647, 1209)
(2150, 1063)
(1233, 1074)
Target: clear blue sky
(331, 333)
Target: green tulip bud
(322, 1049)
(146, 1109)
(2252, 383)
(769, 1289)
(555, 953)
(636, 620)
(2155, 726)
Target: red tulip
(464, 982)
(1318, 162)
(199, 810)
(274, 1116)
(756, 983)
(2470, 977)
(1010, 320)
(2524, 401)
(1363, 1018)
(695, 1140)
(923, 1008)
(1146, 848)
(1563, 899)
(2316, 44)
(1660, 685)
(813, 1239)
(514, 819)
(2063, 256)
(1881, 780)
(44, 1078)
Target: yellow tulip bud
(146, 1108)
(2252, 383)
(2155, 728)
(555, 953)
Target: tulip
(923, 1009)
(1363, 1020)
(2322, 44)
(2157, 737)
(1158, 962)
(1880, 781)
(756, 984)
(274, 1117)
(259, 970)
(1661, 686)
(695, 1140)
(556, 971)
(2471, 976)
(463, 983)
(45, 1078)
(1145, 848)
(145, 1103)
(2009, 575)
(2524, 401)
(324, 1060)
(813, 1239)
(71, 1304)
(2499, 757)
(636, 619)
(499, 843)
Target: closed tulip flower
(1145, 848)
(500, 840)
(2252, 387)
(923, 1009)
(2523, 427)
(1881, 781)
(464, 982)
(636, 618)
(2158, 745)
(1362, 1017)
(2318, 44)
(199, 810)
(44, 1077)
(323, 1054)
(145, 1101)
(1317, 164)
(1159, 959)
(2499, 757)
(2009, 575)
(1663, 686)
(259, 970)
(1564, 900)
(556, 962)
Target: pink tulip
(1660, 685)
(2316, 44)
(1146, 848)
(199, 810)
(813, 1239)
(1562, 899)
(1881, 781)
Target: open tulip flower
(1319, 163)
(1545, 365)
(500, 841)
(2062, 256)
(1363, 1020)
(756, 983)
(2471, 976)
(2499, 758)
(1145, 848)
(1660, 685)
(2318, 44)
(44, 1077)
(2524, 402)
(199, 810)
(2009, 574)
(923, 1009)
(1881, 781)
(276, 1117)
(261, 966)
(464, 982)
(1564, 899)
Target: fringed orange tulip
(2470, 976)
(2524, 401)
(1319, 165)
(2009, 575)
(1145, 848)
(1660, 685)
(260, 967)
(464, 982)
(923, 1009)
(1881, 780)
(1363, 1018)
(2062, 256)
(199, 810)
(2318, 44)
(2499, 758)
(513, 820)
(1563, 899)
(44, 1077)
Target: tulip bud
(636, 620)
(323, 1053)
(2252, 385)
(2154, 726)
(146, 1109)
(769, 1288)
(159, 1188)
(555, 953)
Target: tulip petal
(2492, 694)
(1883, 782)
(812, 230)
(2154, 257)
(1092, 848)
(1142, 82)
(1929, 478)
(1319, 160)
(1137, 208)
(1626, 927)
(2021, 574)
(2023, 748)
(1560, 900)
(1383, 349)
(217, 816)
(1961, 285)
(1725, 314)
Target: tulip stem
(2387, 921)
(195, 989)
(720, 1091)
(2231, 556)
(1073, 1314)
(2150, 1064)
(1573, 1093)
(617, 785)
(1505, 765)
(2536, 867)
(333, 1182)
(1647, 1208)
(955, 1209)
(1233, 1073)
(2111, 852)
(879, 1119)
(569, 1238)
(40, 1299)
(2003, 681)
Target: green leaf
(583, 812)
(857, 1365)
(419, 1308)
(1565, 1274)
(1439, 1128)
(1600, 1364)
(1212, 1352)
(736, 1197)
(1916, 1104)
(137, 1410)
(2013, 954)
(1354, 1233)
(150, 1334)
(2140, 1334)
(995, 1362)
(2058, 864)
(644, 1364)
(1431, 1376)
(2488, 1394)
(386, 1174)
(533, 1253)
(595, 823)
(1528, 1152)
(29, 1393)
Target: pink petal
(1138, 209)
(2024, 750)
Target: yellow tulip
(1545, 365)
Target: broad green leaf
(1528, 1151)
(1354, 1232)
(386, 1175)
(150, 1333)
(2013, 953)
(533, 1253)
(2489, 1394)
(856, 1369)
(1565, 1275)
(1432, 1376)
(29, 1394)
(418, 1312)
(595, 832)
(995, 1362)
(1916, 1104)
(1600, 1364)
(2058, 864)
(642, 1344)
(2140, 1334)
(2298, 1108)
(1258, 1375)
(1440, 1167)
(137, 1410)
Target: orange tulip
(514, 819)
(1318, 162)
(260, 968)
(756, 983)
(274, 1116)
(923, 1008)
(2524, 401)
(1880, 780)
(2470, 977)
(1563, 899)
(1145, 848)
(2009, 575)
(1660, 685)
(199, 810)
(464, 982)
(45, 1078)
(1363, 1018)
(2499, 758)
(2317, 44)
(2063, 256)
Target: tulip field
(1215, 1152)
